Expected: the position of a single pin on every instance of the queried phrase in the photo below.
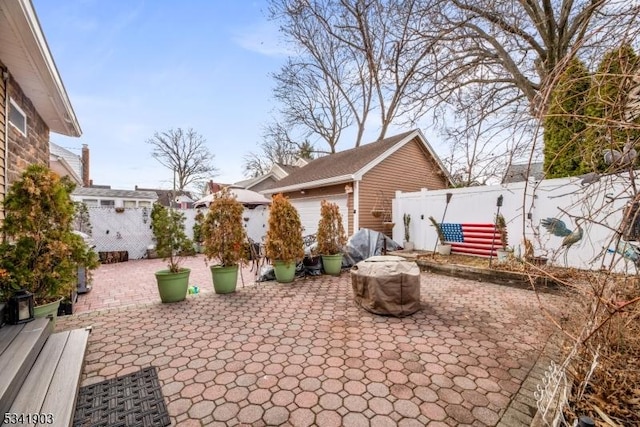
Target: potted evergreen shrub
(224, 240)
(443, 248)
(331, 237)
(408, 244)
(172, 244)
(40, 252)
(284, 244)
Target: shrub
(331, 236)
(40, 252)
(223, 232)
(168, 231)
(284, 237)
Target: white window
(17, 117)
(144, 204)
(129, 203)
(90, 202)
(107, 203)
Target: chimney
(86, 182)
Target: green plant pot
(172, 287)
(224, 278)
(332, 264)
(285, 271)
(48, 310)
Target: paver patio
(304, 354)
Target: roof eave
(65, 164)
(311, 184)
(55, 109)
(416, 133)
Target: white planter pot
(408, 246)
(444, 249)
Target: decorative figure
(628, 251)
(558, 228)
(625, 158)
(589, 178)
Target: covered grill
(387, 285)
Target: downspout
(5, 78)
(356, 206)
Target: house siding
(394, 173)
(34, 148)
(331, 190)
(262, 185)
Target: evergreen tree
(608, 99)
(564, 123)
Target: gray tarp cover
(387, 285)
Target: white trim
(15, 105)
(416, 133)
(311, 184)
(72, 173)
(21, 17)
(356, 207)
(357, 176)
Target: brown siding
(3, 104)
(408, 169)
(330, 190)
(34, 148)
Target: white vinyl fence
(129, 229)
(598, 208)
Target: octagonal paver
(305, 354)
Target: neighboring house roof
(349, 165)
(276, 173)
(65, 163)
(24, 51)
(518, 173)
(165, 196)
(108, 192)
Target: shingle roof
(345, 162)
(108, 192)
(518, 173)
(165, 197)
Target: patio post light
(20, 307)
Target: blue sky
(134, 67)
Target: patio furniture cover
(387, 285)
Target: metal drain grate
(131, 400)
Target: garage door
(309, 211)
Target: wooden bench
(52, 381)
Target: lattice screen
(126, 230)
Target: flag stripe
(472, 239)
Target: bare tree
(185, 153)
(366, 50)
(405, 59)
(311, 101)
(278, 146)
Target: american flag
(472, 239)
